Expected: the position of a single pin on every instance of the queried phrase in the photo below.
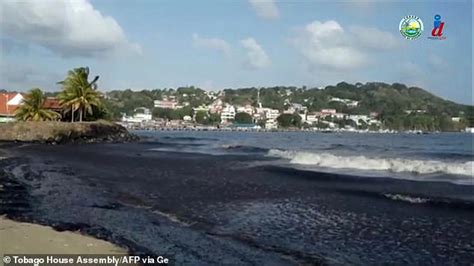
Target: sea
(438, 157)
(349, 198)
(261, 198)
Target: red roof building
(52, 104)
(9, 101)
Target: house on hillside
(166, 104)
(227, 114)
(142, 115)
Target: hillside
(398, 106)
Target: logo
(437, 32)
(411, 27)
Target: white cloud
(256, 56)
(324, 44)
(373, 38)
(69, 28)
(328, 45)
(266, 9)
(212, 43)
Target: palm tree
(32, 108)
(78, 93)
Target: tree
(243, 118)
(166, 113)
(33, 108)
(201, 117)
(79, 94)
(289, 120)
(214, 119)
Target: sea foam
(397, 165)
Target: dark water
(426, 219)
(436, 157)
(213, 198)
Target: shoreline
(32, 238)
(26, 236)
(204, 209)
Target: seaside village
(262, 118)
(259, 117)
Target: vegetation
(33, 108)
(289, 120)
(171, 114)
(397, 106)
(79, 94)
(243, 118)
(60, 132)
(79, 100)
(205, 118)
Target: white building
(141, 115)
(312, 118)
(165, 104)
(348, 102)
(358, 118)
(272, 114)
(266, 113)
(271, 124)
(245, 109)
(227, 114)
(325, 112)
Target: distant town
(370, 107)
(248, 117)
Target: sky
(147, 44)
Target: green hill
(399, 107)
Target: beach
(26, 238)
(158, 197)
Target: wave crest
(406, 198)
(397, 165)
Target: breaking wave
(406, 198)
(396, 165)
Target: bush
(243, 118)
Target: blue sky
(220, 44)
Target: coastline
(33, 238)
(28, 238)
(204, 209)
(54, 132)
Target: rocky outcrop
(63, 132)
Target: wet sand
(213, 210)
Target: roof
(9, 102)
(52, 103)
(6, 106)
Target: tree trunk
(80, 115)
(72, 114)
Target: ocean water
(348, 198)
(213, 198)
(442, 157)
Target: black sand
(203, 209)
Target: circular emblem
(411, 27)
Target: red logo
(437, 31)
